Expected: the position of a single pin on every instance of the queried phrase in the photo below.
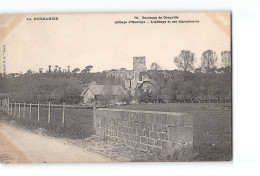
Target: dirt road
(20, 146)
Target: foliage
(87, 69)
(208, 60)
(226, 58)
(48, 87)
(185, 61)
(75, 70)
(205, 84)
(180, 86)
(126, 98)
(155, 66)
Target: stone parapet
(160, 132)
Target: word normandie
(42, 18)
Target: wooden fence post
(94, 115)
(38, 112)
(49, 113)
(23, 110)
(30, 111)
(8, 101)
(19, 110)
(63, 114)
(15, 108)
(11, 108)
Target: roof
(105, 89)
(5, 95)
(54, 95)
(139, 84)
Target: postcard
(115, 87)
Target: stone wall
(160, 132)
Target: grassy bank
(78, 124)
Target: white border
(246, 87)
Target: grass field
(212, 127)
(78, 123)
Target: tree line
(207, 83)
(56, 69)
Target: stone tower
(139, 65)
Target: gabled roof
(5, 95)
(105, 89)
(139, 84)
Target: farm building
(93, 91)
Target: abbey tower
(131, 77)
(139, 65)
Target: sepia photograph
(115, 87)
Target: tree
(213, 69)
(185, 61)
(155, 66)
(159, 82)
(40, 70)
(226, 58)
(126, 98)
(197, 70)
(49, 68)
(56, 68)
(87, 69)
(208, 60)
(68, 69)
(75, 70)
(144, 96)
(29, 71)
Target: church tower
(139, 65)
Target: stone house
(93, 91)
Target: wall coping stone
(142, 111)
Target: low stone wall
(161, 132)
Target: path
(20, 146)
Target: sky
(94, 39)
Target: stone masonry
(160, 132)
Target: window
(140, 77)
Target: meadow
(78, 121)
